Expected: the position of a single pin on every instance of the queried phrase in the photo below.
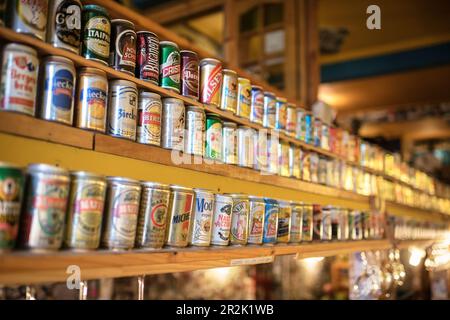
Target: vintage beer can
(169, 66)
(271, 210)
(228, 97)
(336, 217)
(317, 222)
(325, 138)
(283, 159)
(96, 33)
(309, 137)
(92, 93)
(272, 153)
(195, 131)
(366, 224)
(152, 221)
(355, 225)
(121, 213)
(245, 149)
(189, 74)
(44, 207)
(307, 223)
(291, 119)
(85, 211)
(210, 81)
(149, 118)
(220, 232)
(317, 132)
(295, 162)
(229, 143)
(344, 225)
(326, 227)
(270, 110)
(147, 56)
(11, 194)
(200, 234)
(122, 111)
(300, 124)
(180, 211)
(122, 52)
(173, 124)
(296, 222)
(306, 164)
(28, 17)
(239, 219)
(256, 220)
(280, 113)
(244, 98)
(257, 105)
(64, 24)
(261, 161)
(322, 170)
(284, 221)
(57, 102)
(19, 77)
(213, 137)
(314, 167)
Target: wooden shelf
(399, 209)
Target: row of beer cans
(406, 228)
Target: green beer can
(169, 66)
(213, 143)
(96, 33)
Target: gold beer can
(228, 100)
(244, 98)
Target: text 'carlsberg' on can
(296, 222)
(149, 118)
(180, 212)
(284, 221)
(122, 111)
(44, 209)
(239, 219)
(172, 136)
(210, 81)
(195, 131)
(257, 105)
(269, 116)
(169, 66)
(57, 103)
(307, 222)
(147, 59)
(19, 79)
(245, 139)
(64, 24)
(85, 211)
(280, 113)
(11, 193)
(220, 232)
(152, 223)
(96, 33)
(189, 74)
(200, 234)
(122, 52)
(228, 98)
(271, 211)
(28, 17)
(121, 213)
(229, 143)
(255, 220)
(244, 98)
(213, 137)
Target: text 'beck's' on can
(28, 17)
(121, 213)
(203, 212)
(271, 210)
(296, 222)
(172, 135)
(95, 34)
(152, 221)
(220, 232)
(189, 74)
(245, 152)
(229, 143)
(180, 212)
(122, 111)
(239, 219)
(58, 76)
(122, 52)
(195, 130)
(255, 220)
(19, 79)
(269, 116)
(213, 137)
(169, 66)
(149, 118)
(280, 113)
(284, 221)
(44, 209)
(85, 210)
(228, 97)
(257, 105)
(210, 81)
(64, 24)
(147, 59)
(244, 98)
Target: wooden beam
(231, 33)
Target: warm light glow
(312, 262)
(219, 275)
(416, 256)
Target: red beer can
(147, 60)
(189, 74)
(210, 81)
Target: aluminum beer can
(200, 234)
(306, 165)
(121, 213)
(325, 138)
(271, 210)
(256, 220)
(322, 170)
(64, 24)
(180, 211)
(366, 224)
(283, 159)
(239, 219)
(245, 139)
(326, 227)
(189, 74)
(57, 102)
(314, 167)
(169, 66)
(291, 119)
(44, 208)
(229, 143)
(317, 132)
(295, 162)
(336, 217)
(317, 221)
(92, 96)
(228, 97)
(220, 232)
(122, 111)
(152, 221)
(122, 52)
(173, 124)
(195, 131)
(149, 118)
(244, 98)
(272, 153)
(147, 59)
(257, 105)
(269, 116)
(284, 221)
(355, 225)
(307, 223)
(213, 137)
(300, 127)
(344, 224)
(95, 34)
(296, 222)
(309, 137)
(210, 81)
(280, 113)
(260, 147)
(11, 194)
(85, 211)
(19, 77)
(28, 17)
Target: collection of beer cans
(411, 229)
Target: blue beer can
(271, 211)
(308, 128)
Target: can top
(21, 47)
(212, 115)
(147, 32)
(269, 93)
(48, 59)
(209, 61)
(283, 202)
(180, 188)
(149, 94)
(195, 108)
(4, 164)
(291, 105)
(237, 195)
(86, 174)
(297, 203)
(168, 43)
(256, 87)
(188, 51)
(256, 198)
(245, 80)
(300, 109)
(230, 124)
(281, 99)
(155, 185)
(46, 168)
(229, 71)
(92, 70)
(223, 195)
(94, 7)
(124, 21)
(271, 201)
(173, 101)
(203, 190)
(122, 180)
(122, 82)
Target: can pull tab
(141, 287)
(30, 293)
(83, 290)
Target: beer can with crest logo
(149, 118)
(172, 135)
(284, 221)
(220, 232)
(307, 223)
(200, 234)
(213, 137)
(239, 219)
(280, 113)
(195, 131)
(189, 74)
(228, 98)
(271, 210)
(29, 17)
(180, 212)
(147, 56)
(210, 81)
(269, 116)
(244, 98)
(291, 119)
(95, 34)
(255, 220)
(122, 52)
(257, 105)
(169, 66)
(296, 222)
(229, 143)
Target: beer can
(85, 211)
(64, 24)
(122, 52)
(44, 207)
(336, 217)
(260, 146)
(283, 159)
(307, 223)
(296, 222)
(229, 142)
(29, 17)
(284, 221)
(269, 116)
(308, 118)
(189, 74)
(344, 226)
(19, 77)
(300, 126)
(314, 167)
(195, 131)
(317, 132)
(122, 111)
(271, 210)
(92, 93)
(245, 152)
(180, 211)
(149, 118)
(220, 232)
(152, 221)
(322, 170)
(366, 224)
(121, 213)
(306, 166)
(256, 220)
(11, 194)
(326, 227)
(325, 138)
(169, 66)
(244, 98)
(291, 119)
(239, 219)
(228, 97)
(317, 222)
(257, 105)
(173, 124)
(200, 234)
(213, 137)
(210, 81)
(355, 225)
(295, 162)
(147, 59)
(280, 113)
(95, 34)
(272, 153)
(57, 102)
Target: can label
(173, 125)
(201, 224)
(180, 219)
(283, 159)
(189, 75)
(270, 222)
(125, 49)
(147, 57)
(33, 16)
(222, 221)
(308, 129)
(336, 217)
(317, 222)
(291, 119)
(284, 224)
(244, 100)
(210, 86)
(239, 221)
(256, 220)
(260, 145)
(195, 125)
(149, 121)
(67, 24)
(257, 106)
(91, 110)
(296, 224)
(307, 223)
(280, 115)
(272, 154)
(96, 38)
(325, 232)
(246, 140)
(229, 146)
(213, 145)
(228, 100)
(59, 87)
(170, 71)
(123, 111)
(269, 117)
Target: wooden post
(231, 33)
